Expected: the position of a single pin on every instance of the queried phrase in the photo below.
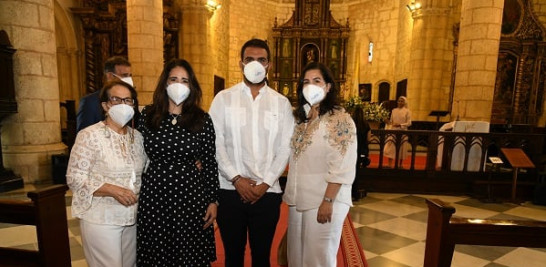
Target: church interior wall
(377, 22)
(252, 19)
(386, 23)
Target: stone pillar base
(32, 162)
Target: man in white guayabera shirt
(253, 125)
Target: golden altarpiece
(311, 34)
(521, 66)
(104, 25)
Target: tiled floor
(391, 227)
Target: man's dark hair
(111, 63)
(256, 43)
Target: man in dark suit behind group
(90, 111)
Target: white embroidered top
(323, 151)
(99, 156)
(252, 135)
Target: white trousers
(109, 245)
(311, 244)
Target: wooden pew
(443, 232)
(46, 210)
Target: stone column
(145, 45)
(195, 45)
(31, 136)
(479, 39)
(430, 59)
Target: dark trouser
(236, 218)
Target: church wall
(219, 32)
(403, 45)
(32, 135)
(252, 19)
(375, 21)
(69, 56)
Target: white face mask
(313, 94)
(178, 92)
(254, 72)
(121, 114)
(127, 80)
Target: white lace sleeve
(84, 154)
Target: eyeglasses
(123, 75)
(262, 60)
(118, 100)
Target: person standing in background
(90, 111)
(253, 124)
(400, 120)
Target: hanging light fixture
(213, 5)
(413, 6)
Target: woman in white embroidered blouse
(104, 174)
(322, 170)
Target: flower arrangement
(372, 111)
(352, 103)
(375, 112)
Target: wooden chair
(47, 211)
(444, 232)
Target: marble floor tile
(393, 208)
(403, 227)
(408, 255)
(391, 229)
(465, 260)
(529, 213)
(471, 212)
(523, 257)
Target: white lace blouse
(101, 156)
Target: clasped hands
(124, 196)
(248, 190)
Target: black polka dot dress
(175, 195)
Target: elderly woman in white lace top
(104, 174)
(321, 172)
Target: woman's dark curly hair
(192, 117)
(330, 101)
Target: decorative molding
(525, 44)
(310, 34)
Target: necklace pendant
(174, 121)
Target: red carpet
(350, 253)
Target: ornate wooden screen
(105, 35)
(311, 34)
(521, 67)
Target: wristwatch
(327, 199)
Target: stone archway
(68, 60)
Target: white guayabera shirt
(99, 156)
(252, 135)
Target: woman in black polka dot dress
(177, 205)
